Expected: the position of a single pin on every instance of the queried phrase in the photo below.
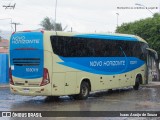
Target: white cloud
(81, 15)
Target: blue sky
(81, 15)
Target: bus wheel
(84, 92)
(137, 83)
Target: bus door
(152, 70)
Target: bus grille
(26, 61)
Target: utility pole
(117, 19)
(55, 14)
(15, 24)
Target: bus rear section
(28, 75)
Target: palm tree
(48, 24)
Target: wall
(4, 76)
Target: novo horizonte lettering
(107, 63)
(23, 40)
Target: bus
(56, 63)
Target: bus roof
(112, 36)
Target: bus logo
(23, 40)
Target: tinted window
(90, 47)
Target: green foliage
(58, 27)
(48, 24)
(148, 29)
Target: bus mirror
(155, 54)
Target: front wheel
(84, 92)
(137, 84)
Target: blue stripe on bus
(103, 65)
(108, 37)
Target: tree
(148, 29)
(0, 37)
(48, 24)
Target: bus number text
(31, 69)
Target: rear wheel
(137, 84)
(84, 92)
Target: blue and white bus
(49, 63)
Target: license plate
(26, 90)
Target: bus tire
(137, 84)
(84, 92)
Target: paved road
(145, 99)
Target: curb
(152, 84)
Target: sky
(80, 15)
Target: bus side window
(144, 51)
(90, 46)
(106, 50)
(137, 50)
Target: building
(4, 44)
